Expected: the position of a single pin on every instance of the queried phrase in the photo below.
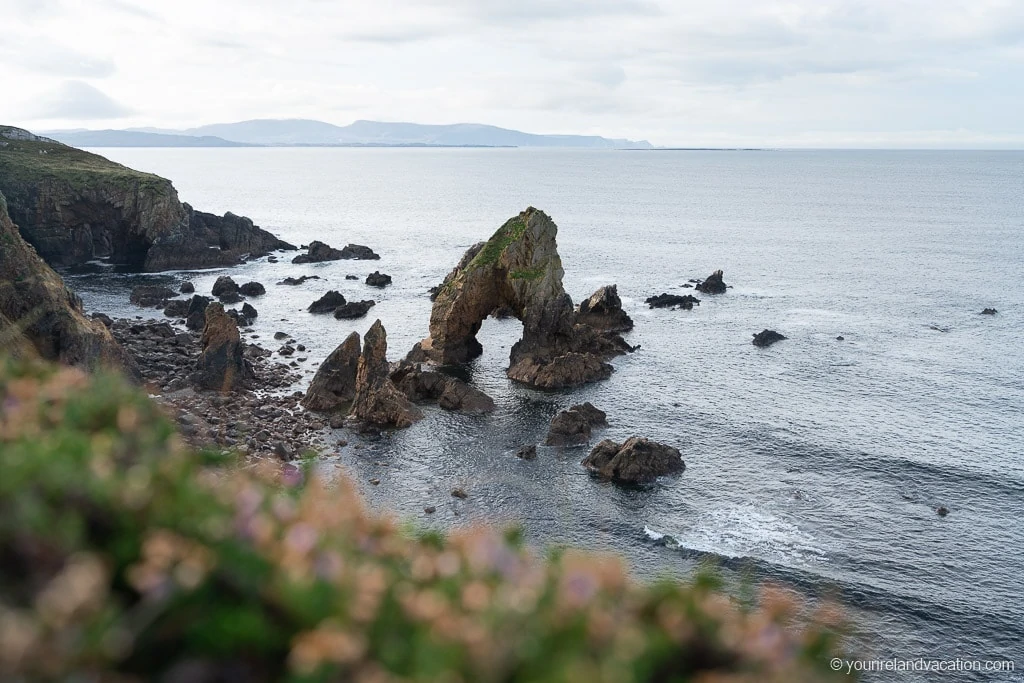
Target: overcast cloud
(794, 73)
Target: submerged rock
(685, 302)
(766, 338)
(638, 461)
(151, 296)
(573, 427)
(334, 384)
(298, 280)
(378, 279)
(222, 365)
(713, 284)
(327, 303)
(354, 309)
(519, 267)
(528, 452)
(603, 311)
(989, 311)
(377, 401)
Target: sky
(799, 73)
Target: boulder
(177, 308)
(195, 318)
(638, 461)
(378, 279)
(377, 401)
(358, 251)
(766, 338)
(224, 285)
(187, 287)
(603, 311)
(334, 384)
(327, 303)
(151, 296)
(222, 365)
(298, 280)
(712, 285)
(318, 252)
(230, 298)
(573, 427)
(421, 385)
(354, 309)
(252, 289)
(249, 312)
(685, 302)
(245, 316)
(519, 267)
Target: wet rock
(942, 511)
(459, 493)
(527, 452)
(354, 309)
(195, 318)
(573, 427)
(187, 287)
(103, 318)
(638, 461)
(351, 277)
(713, 284)
(603, 311)
(250, 313)
(177, 308)
(224, 285)
(318, 252)
(286, 351)
(358, 251)
(840, 338)
(766, 338)
(430, 509)
(450, 393)
(519, 267)
(280, 335)
(327, 303)
(252, 289)
(230, 298)
(685, 302)
(334, 384)
(151, 296)
(378, 279)
(221, 366)
(378, 402)
(989, 311)
(292, 281)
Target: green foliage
(124, 556)
(528, 274)
(512, 230)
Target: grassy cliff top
(27, 159)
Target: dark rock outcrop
(685, 302)
(573, 427)
(450, 393)
(638, 461)
(41, 317)
(187, 288)
(245, 316)
(603, 311)
(224, 285)
(518, 267)
(195, 317)
(766, 338)
(358, 251)
(151, 296)
(177, 308)
(378, 402)
(318, 252)
(713, 284)
(327, 303)
(378, 279)
(252, 289)
(989, 311)
(334, 384)
(354, 309)
(298, 280)
(222, 365)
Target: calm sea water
(817, 463)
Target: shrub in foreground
(124, 557)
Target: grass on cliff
(27, 162)
(512, 230)
(126, 557)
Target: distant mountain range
(303, 132)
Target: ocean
(817, 463)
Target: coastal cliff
(39, 316)
(74, 206)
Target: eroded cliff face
(518, 268)
(40, 316)
(74, 206)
